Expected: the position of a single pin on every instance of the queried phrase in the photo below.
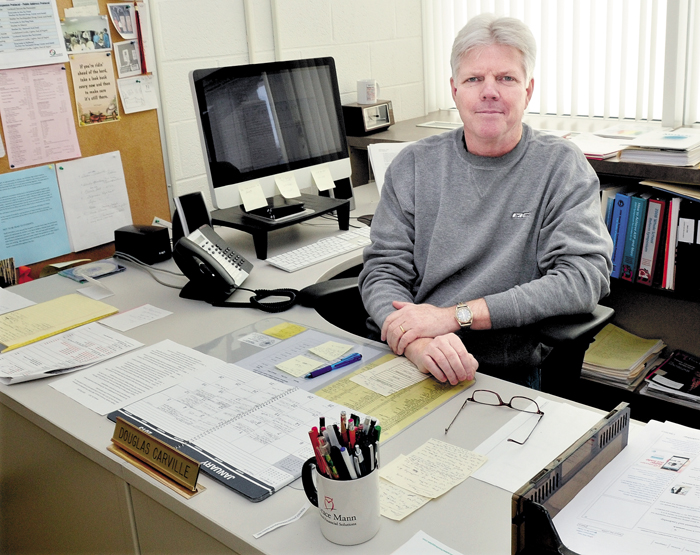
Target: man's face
(491, 95)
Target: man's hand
(445, 357)
(412, 321)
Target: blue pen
(354, 357)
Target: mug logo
(328, 503)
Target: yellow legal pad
(42, 320)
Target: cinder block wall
(379, 39)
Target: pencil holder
(348, 509)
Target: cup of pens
(342, 479)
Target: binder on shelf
(668, 281)
(688, 247)
(619, 229)
(650, 243)
(633, 238)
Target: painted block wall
(379, 39)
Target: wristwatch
(464, 315)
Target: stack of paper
(677, 378)
(680, 147)
(619, 358)
(629, 130)
(596, 148)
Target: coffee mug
(367, 91)
(348, 509)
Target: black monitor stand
(259, 226)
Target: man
(489, 227)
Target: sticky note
(284, 331)
(331, 350)
(252, 195)
(298, 366)
(323, 178)
(287, 184)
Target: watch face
(464, 315)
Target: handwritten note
(95, 200)
(298, 366)
(252, 195)
(284, 331)
(432, 469)
(287, 185)
(331, 350)
(397, 503)
(323, 178)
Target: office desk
(101, 504)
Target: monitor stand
(259, 226)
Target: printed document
(31, 212)
(36, 116)
(31, 35)
(645, 501)
(390, 377)
(110, 385)
(66, 352)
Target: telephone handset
(215, 270)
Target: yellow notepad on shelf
(42, 320)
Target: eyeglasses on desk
(517, 402)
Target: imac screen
(264, 119)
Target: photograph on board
(86, 34)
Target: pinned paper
(252, 195)
(287, 184)
(284, 331)
(323, 178)
(331, 350)
(298, 366)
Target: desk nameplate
(156, 458)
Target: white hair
(487, 29)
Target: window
(632, 59)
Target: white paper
(73, 349)
(380, 156)
(95, 199)
(422, 544)
(114, 384)
(390, 377)
(252, 195)
(511, 465)
(10, 301)
(135, 317)
(645, 501)
(138, 94)
(38, 41)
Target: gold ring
(401, 328)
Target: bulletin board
(137, 137)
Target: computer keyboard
(321, 250)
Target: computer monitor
(258, 121)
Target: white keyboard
(321, 250)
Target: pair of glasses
(518, 402)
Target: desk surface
(473, 518)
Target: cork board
(137, 137)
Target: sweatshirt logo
(520, 215)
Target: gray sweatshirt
(523, 230)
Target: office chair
(568, 336)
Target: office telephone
(215, 270)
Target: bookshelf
(639, 309)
